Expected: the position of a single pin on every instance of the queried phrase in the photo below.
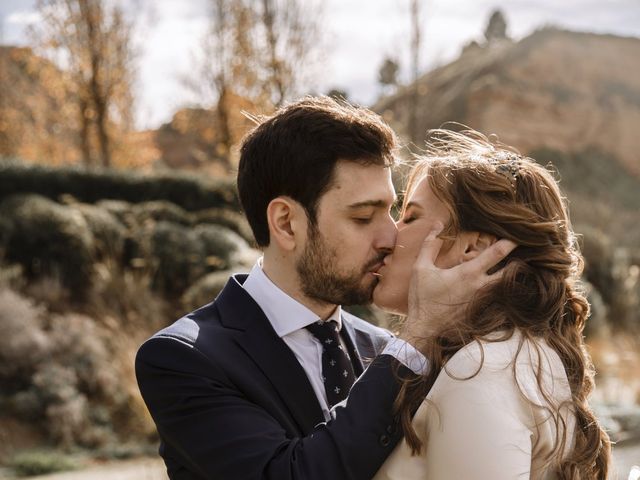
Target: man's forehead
(352, 174)
(356, 185)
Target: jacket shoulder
(188, 329)
(377, 336)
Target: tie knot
(325, 332)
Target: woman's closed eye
(408, 219)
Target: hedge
(186, 190)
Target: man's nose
(386, 239)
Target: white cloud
(23, 18)
(168, 47)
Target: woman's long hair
(489, 188)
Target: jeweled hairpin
(511, 168)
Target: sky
(357, 36)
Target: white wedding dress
(494, 425)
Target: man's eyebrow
(369, 203)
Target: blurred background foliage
(107, 233)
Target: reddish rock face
(556, 89)
(566, 98)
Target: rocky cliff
(556, 89)
(566, 98)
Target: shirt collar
(285, 314)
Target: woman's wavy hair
(488, 187)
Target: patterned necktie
(337, 370)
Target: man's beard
(321, 280)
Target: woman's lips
(378, 273)
(376, 269)
(377, 266)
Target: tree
(256, 53)
(228, 67)
(388, 73)
(229, 59)
(35, 107)
(94, 41)
(416, 43)
(291, 37)
(496, 28)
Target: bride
(509, 384)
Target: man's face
(354, 232)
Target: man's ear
(474, 243)
(287, 222)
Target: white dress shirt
(288, 317)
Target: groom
(252, 386)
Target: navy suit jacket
(231, 401)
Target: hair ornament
(508, 165)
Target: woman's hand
(440, 295)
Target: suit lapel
(348, 334)
(270, 353)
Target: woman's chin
(388, 302)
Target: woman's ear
(287, 222)
(474, 243)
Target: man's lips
(375, 270)
(381, 266)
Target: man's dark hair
(295, 151)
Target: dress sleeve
(477, 427)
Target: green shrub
(186, 190)
(181, 255)
(41, 462)
(228, 218)
(222, 248)
(597, 324)
(108, 232)
(23, 343)
(59, 371)
(224, 234)
(159, 211)
(82, 345)
(614, 275)
(178, 255)
(596, 248)
(48, 239)
(119, 209)
(205, 290)
(625, 303)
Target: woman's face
(423, 210)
